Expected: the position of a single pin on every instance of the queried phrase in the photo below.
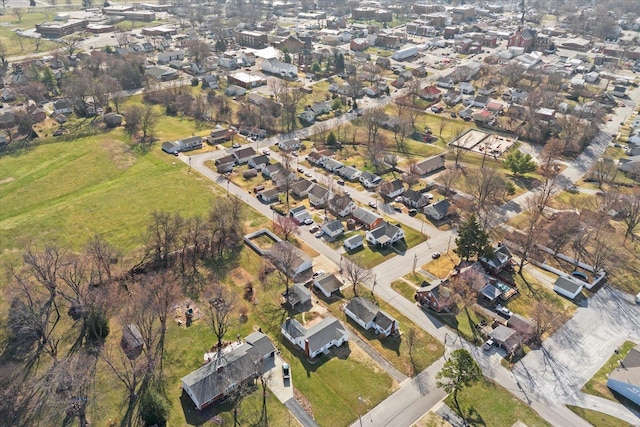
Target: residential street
(546, 379)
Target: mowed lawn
(72, 190)
(488, 404)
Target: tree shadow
(474, 418)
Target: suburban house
(270, 170)
(431, 93)
(353, 242)
(243, 155)
(168, 56)
(333, 228)
(452, 97)
(162, 74)
(429, 165)
(341, 205)
(437, 210)
(238, 364)
(445, 82)
(507, 338)
(269, 195)
(368, 219)
(415, 199)
(252, 132)
(224, 164)
(349, 173)
(384, 235)
(435, 295)
(369, 316)
(131, 342)
(467, 88)
(318, 339)
(298, 295)
(625, 379)
(301, 187)
(318, 195)
(296, 260)
(500, 260)
(218, 136)
(480, 101)
(332, 165)
(369, 180)
(391, 189)
(309, 114)
(62, 106)
(567, 286)
(328, 284)
(316, 158)
(289, 144)
(258, 162)
(521, 324)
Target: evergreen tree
(340, 62)
(460, 371)
(331, 139)
(519, 163)
(472, 241)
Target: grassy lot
(403, 288)
(52, 190)
(442, 266)
(394, 349)
(597, 419)
(431, 420)
(464, 322)
(597, 385)
(16, 45)
(488, 404)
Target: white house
(437, 210)
(353, 242)
(318, 339)
(296, 260)
(369, 180)
(625, 379)
(369, 316)
(349, 173)
(445, 82)
(238, 364)
(333, 228)
(289, 144)
(384, 235)
(172, 55)
(318, 195)
(341, 205)
(279, 68)
(392, 189)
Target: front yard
(597, 385)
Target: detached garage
(567, 287)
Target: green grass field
(488, 404)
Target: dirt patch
(7, 180)
(120, 153)
(240, 276)
(183, 308)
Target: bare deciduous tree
(545, 318)
(286, 226)
(355, 273)
(219, 312)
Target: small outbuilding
(567, 287)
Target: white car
(503, 311)
(266, 152)
(488, 344)
(307, 221)
(319, 234)
(318, 273)
(313, 229)
(308, 174)
(236, 145)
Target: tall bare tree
(630, 210)
(219, 312)
(355, 273)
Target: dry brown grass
(442, 266)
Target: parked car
(236, 145)
(435, 255)
(286, 372)
(307, 221)
(318, 273)
(373, 205)
(300, 170)
(488, 344)
(313, 229)
(340, 182)
(308, 174)
(266, 152)
(503, 311)
(319, 234)
(413, 212)
(59, 132)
